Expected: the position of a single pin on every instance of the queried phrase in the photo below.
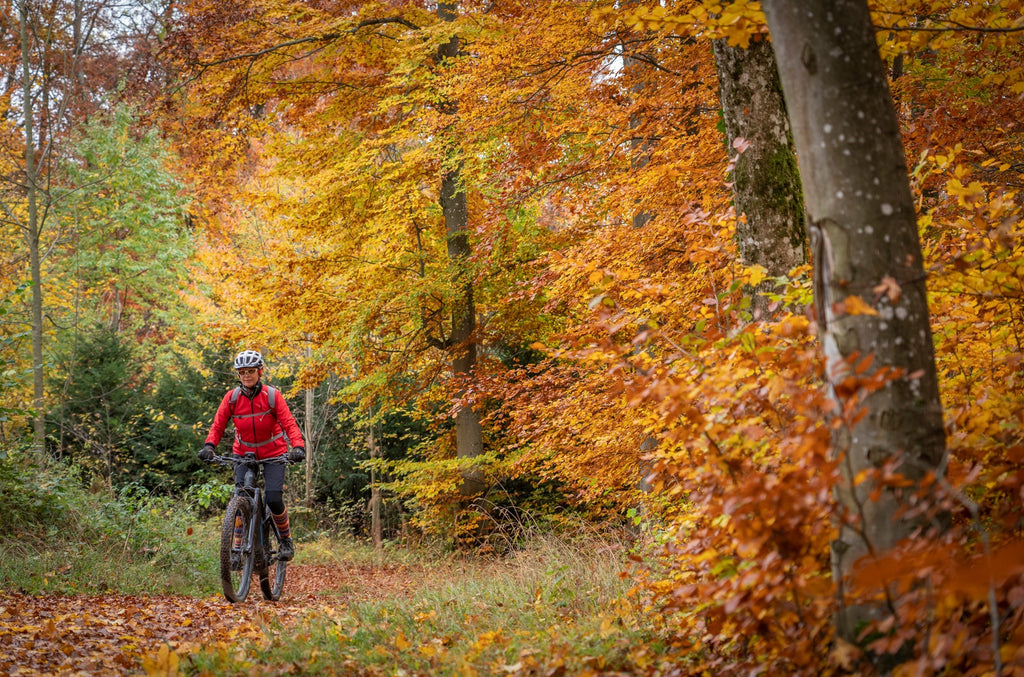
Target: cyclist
(262, 423)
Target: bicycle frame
(255, 493)
(256, 551)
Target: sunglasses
(247, 372)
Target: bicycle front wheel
(237, 556)
(272, 571)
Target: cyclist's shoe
(286, 551)
(236, 561)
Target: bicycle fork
(244, 535)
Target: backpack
(271, 399)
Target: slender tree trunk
(79, 42)
(864, 241)
(310, 444)
(766, 182)
(640, 147)
(375, 498)
(32, 232)
(468, 433)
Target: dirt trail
(115, 634)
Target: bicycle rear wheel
(272, 571)
(236, 577)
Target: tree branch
(952, 26)
(326, 37)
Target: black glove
(206, 453)
(296, 454)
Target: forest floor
(120, 634)
(554, 608)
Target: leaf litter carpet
(54, 634)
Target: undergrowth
(56, 536)
(557, 605)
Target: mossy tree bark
(766, 181)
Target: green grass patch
(326, 549)
(555, 606)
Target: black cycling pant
(273, 484)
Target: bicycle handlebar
(234, 459)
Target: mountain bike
(249, 539)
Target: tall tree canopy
(555, 253)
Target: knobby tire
(236, 583)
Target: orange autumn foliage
(651, 367)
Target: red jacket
(257, 428)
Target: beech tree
(462, 342)
(766, 182)
(869, 282)
(387, 191)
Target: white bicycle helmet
(248, 358)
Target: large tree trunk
(864, 240)
(468, 433)
(766, 182)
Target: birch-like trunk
(310, 444)
(376, 529)
(33, 229)
(863, 227)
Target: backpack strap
(256, 445)
(271, 399)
